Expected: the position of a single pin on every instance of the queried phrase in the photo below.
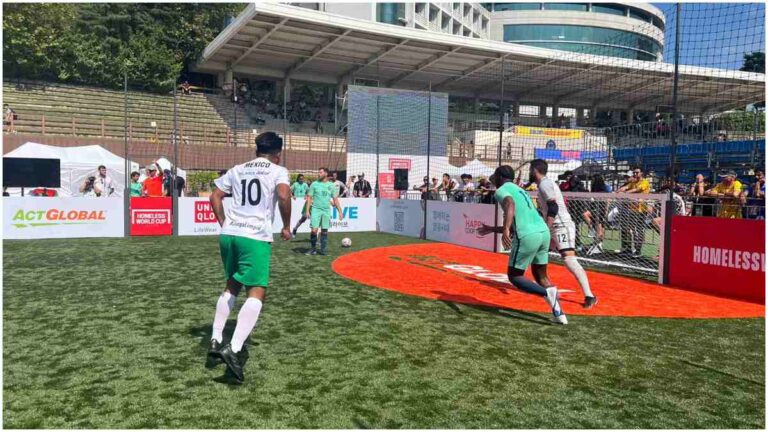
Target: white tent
(77, 163)
(165, 164)
(474, 168)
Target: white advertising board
(42, 217)
(196, 216)
(404, 217)
(457, 223)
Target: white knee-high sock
(223, 307)
(246, 321)
(578, 272)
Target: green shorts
(320, 219)
(245, 260)
(531, 249)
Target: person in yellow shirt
(632, 215)
(729, 193)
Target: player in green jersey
(299, 189)
(321, 194)
(526, 235)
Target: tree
(754, 62)
(95, 43)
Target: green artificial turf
(111, 333)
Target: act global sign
(62, 217)
(35, 218)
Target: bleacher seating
(706, 158)
(203, 118)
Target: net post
(668, 210)
(127, 186)
(429, 152)
(174, 168)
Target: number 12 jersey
(253, 185)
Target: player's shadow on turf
(300, 250)
(476, 304)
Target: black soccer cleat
(589, 302)
(213, 358)
(311, 252)
(235, 362)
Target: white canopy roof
(77, 163)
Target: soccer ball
(346, 242)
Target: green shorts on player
(531, 249)
(322, 193)
(530, 234)
(320, 219)
(245, 260)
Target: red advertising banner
(724, 257)
(151, 216)
(387, 186)
(395, 163)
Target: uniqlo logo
(204, 212)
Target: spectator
(755, 197)
(632, 215)
(87, 187)
(299, 188)
(596, 215)
(565, 185)
(703, 205)
(43, 192)
(471, 149)
(135, 185)
(362, 187)
(170, 176)
(186, 89)
(153, 184)
(340, 186)
(729, 193)
(103, 185)
(448, 185)
(508, 151)
(487, 190)
(318, 123)
(424, 188)
(434, 190)
(350, 185)
(466, 189)
(9, 116)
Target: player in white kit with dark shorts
(555, 213)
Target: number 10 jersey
(253, 185)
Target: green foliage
(754, 62)
(742, 121)
(95, 43)
(201, 181)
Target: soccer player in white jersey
(553, 210)
(246, 243)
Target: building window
(609, 9)
(420, 7)
(638, 14)
(658, 23)
(584, 39)
(390, 13)
(582, 7)
(500, 7)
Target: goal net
(623, 232)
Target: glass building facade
(584, 39)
